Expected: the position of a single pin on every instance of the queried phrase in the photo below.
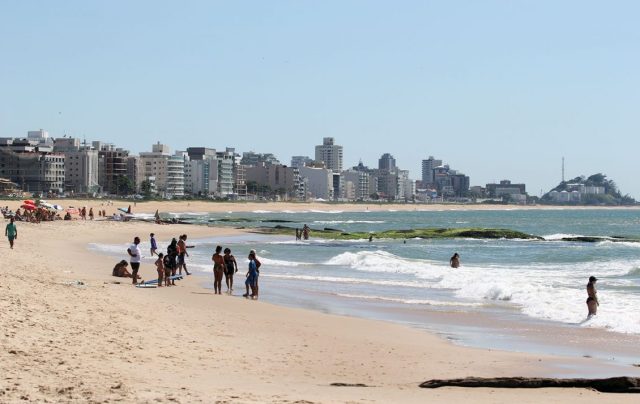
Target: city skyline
(496, 90)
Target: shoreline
(483, 330)
(73, 334)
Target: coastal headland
(73, 333)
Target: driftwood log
(610, 385)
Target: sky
(496, 89)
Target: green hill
(611, 196)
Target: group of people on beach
(169, 266)
(226, 265)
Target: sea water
(529, 279)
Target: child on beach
(252, 276)
(160, 268)
(154, 245)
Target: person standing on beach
(182, 252)
(252, 277)
(218, 269)
(154, 245)
(305, 232)
(172, 253)
(134, 254)
(592, 299)
(258, 265)
(11, 231)
(454, 261)
(230, 268)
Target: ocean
(520, 282)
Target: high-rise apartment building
(330, 154)
(428, 166)
(112, 164)
(81, 165)
(167, 169)
(387, 162)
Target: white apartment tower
(330, 154)
(167, 169)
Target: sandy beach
(73, 333)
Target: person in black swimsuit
(230, 268)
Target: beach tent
(57, 207)
(72, 211)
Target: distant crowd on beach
(169, 266)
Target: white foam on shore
(426, 302)
(337, 279)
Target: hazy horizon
(498, 90)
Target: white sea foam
(338, 279)
(560, 236)
(426, 302)
(326, 211)
(262, 211)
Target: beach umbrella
(46, 205)
(58, 207)
(29, 202)
(125, 210)
(27, 206)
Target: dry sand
(99, 341)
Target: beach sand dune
(71, 333)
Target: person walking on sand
(182, 252)
(230, 268)
(252, 277)
(134, 254)
(454, 261)
(11, 232)
(592, 299)
(154, 244)
(305, 232)
(218, 269)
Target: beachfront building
(273, 180)
(226, 174)
(201, 171)
(428, 166)
(32, 164)
(112, 167)
(505, 187)
(356, 184)
(318, 182)
(330, 154)
(387, 162)
(81, 165)
(167, 169)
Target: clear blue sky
(498, 89)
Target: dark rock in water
(330, 229)
(610, 385)
(277, 221)
(593, 239)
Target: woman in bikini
(218, 270)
